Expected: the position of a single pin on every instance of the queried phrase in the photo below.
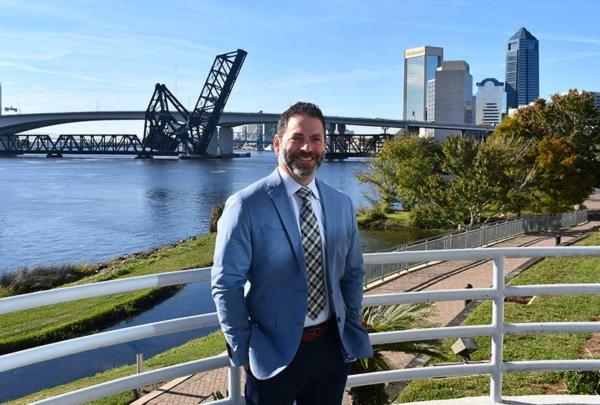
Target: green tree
(399, 174)
(474, 183)
(460, 182)
(565, 155)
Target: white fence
(496, 367)
(481, 236)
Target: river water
(75, 209)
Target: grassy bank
(207, 346)
(526, 347)
(44, 325)
(374, 219)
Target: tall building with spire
(420, 65)
(522, 82)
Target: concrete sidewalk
(198, 388)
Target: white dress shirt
(291, 187)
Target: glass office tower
(522, 69)
(419, 67)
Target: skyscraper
(419, 67)
(522, 69)
(490, 102)
(452, 93)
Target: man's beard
(302, 172)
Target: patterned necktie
(311, 242)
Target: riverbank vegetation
(41, 278)
(377, 219)
(34, 327)
(544, 158)
(527, 347)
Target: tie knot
(304, 193)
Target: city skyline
(345, 56)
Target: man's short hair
(300, 108)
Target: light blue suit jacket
(258, 241)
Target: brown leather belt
(312, 333)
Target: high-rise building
(490, 102)
(522, 69)
(419, 67)
(452, 91)
(596, 96)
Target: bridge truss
(109, 144)
(169, 127)
(165, 125)
(336, 146)
(355, 145)
(213, 97)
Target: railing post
(235, 384)
(498, 336)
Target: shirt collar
(291, 185)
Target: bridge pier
(213, 146)
(226, 141)
(144, 155)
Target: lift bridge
(169, 128)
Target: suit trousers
(316, 376)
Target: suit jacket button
(339, 319)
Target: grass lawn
(34, 327)
(526, 347)
(207, 346)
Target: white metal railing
(477, 237)
(496, 367)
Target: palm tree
(386, 319)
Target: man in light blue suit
(287, 278)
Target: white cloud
(301, 79)
(573, 56)
(67, 74)
(570, 38)
(35, 56)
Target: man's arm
(351, 283)
(233, 255)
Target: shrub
(29, 280)
(215, 214)
(583, 382)
(371, 217)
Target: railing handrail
(489, 225)
(101, 288)
(483, 235)
(73, 293)
(497, 330)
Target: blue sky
(346, 56)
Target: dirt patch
(591, 348)
(558, 388)
(520, 300)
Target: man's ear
(276, 144)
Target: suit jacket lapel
(329, 218)
(281, 201)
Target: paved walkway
(198, 388)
